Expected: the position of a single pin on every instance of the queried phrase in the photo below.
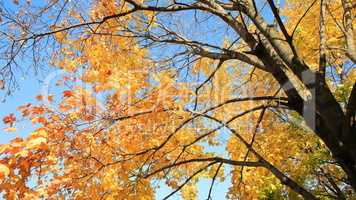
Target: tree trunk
(329, 124)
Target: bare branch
(213, 181)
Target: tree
(176, 75)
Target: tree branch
(280, 175)
(322, 34)
(349, 30)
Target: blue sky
(25, 94)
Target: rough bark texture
(349, 30)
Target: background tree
(177, 76)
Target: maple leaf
(4, 170)
(36, 142)
(2, 82)
(39, 97)
(67, 93)
(10, 129)
(9, 119)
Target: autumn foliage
(122, 123)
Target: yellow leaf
(4, 170)
(39, 133)
(189, 191)
(36, 142)
(10, 129)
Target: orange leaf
(10, 129)
(39, 97)
(67, 93)
(4, 170)
(9, 119)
